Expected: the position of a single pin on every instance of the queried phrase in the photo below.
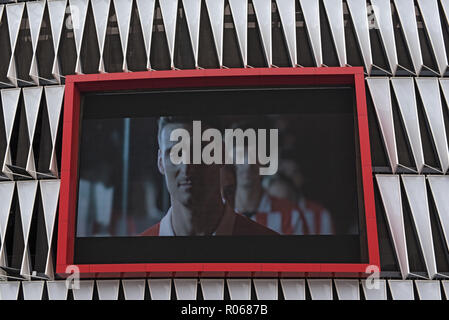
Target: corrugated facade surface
(402, 44)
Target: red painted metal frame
(77, 84)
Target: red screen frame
(77, 84)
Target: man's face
(189, 184)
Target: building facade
(403, 46)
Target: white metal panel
(404, 89)
(35, 10)
(85, 291)
(14, 14)
(213, 289)
(57, 290)
(381, 95)
(375, 292)
(266, 289)
(54, 96)
(100, 9)
(293, 289)
(347, 289)
(169, 10)
(108, 289)
(439, 185)
(2, 6)
(32, 290)
(186, 289)
(444, 5)
(320, 289)
(134, 289)
(146, 14)
(123, 12)
(56, 10)
(311, 12)
(390, 191)
(6, 194)
(192, 9)
(401, 289)
(239, 11)
(415, 187)
(27, 196)
(10, 100)
(287, 12)
(262, 8)
(78, 12)
(334, 11)
(359, 15)
(160, 289)
(382, 13)
(444, 83)
(32, 98)
(239, 289)
(431, 17)
(49, 195)
(430, 95)
(407, 18)
(9, 290)
(428, 289)
(445, 284)
(215, 9)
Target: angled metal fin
(262, 9)
(311, 11)
(380, 93)
(123, 12)
(390, 191)
(334, 12)
(239, 11)
(215, 9)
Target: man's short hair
(206, 122)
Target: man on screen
(198, 206)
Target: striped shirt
(283, 216)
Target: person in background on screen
(280, 186)
(198, 206)
(253, 201)
(318, 218)
(280, 207)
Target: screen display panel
(255, 174)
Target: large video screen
(267, 174)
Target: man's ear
(160, 162)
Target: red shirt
(286, 217)
(235, 224)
